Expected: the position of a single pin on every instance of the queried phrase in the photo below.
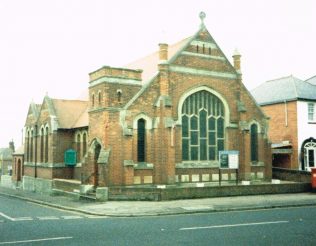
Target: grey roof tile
(312, 80)
(286, 88)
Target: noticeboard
(70, 157)
(229, 159)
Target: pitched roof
(312, 80)
(149, 63)
(20, 150)
(71, 113)
(286, 88)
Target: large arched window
(203, 127)
(46, 144)
(141, 140)
(254, 142)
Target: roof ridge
(72, 100)
(284, 77)
(307, 80)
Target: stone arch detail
(149, 121)
(210, 90)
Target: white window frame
(311, 112)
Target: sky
(50, 46)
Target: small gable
(202, 52)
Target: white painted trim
(255, 122)
(124, 81)
(188, 53)
(194, 71)
(46, 126)
(149, 121)
(200, 88)
(78, 133)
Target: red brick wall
(279, 131)
(105, 122)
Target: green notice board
(229, 159)
(70, 157)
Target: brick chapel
(160, 120)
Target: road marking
(65, 217)
(22, 219)
(72, 217)
(36, 240)
(15, 219)
(48, 218)
(233, 225)
(6, 216)
(96, 216)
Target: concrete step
(87, 197)
(66, 184)
(73, 194)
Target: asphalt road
(23, 223)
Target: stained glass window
(203, 127)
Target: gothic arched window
(78, 148)
(92, 100)
(42, 146)
(99, 98)
(254, 142)
(84, 143)
(141, 140)
(46, 144)
(203, 127)
(32, 143)
(28, 146)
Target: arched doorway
(308, 151)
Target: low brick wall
(174, 193)
(291, 175)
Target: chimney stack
(163, 53)
(236, 57)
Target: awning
(284, 147)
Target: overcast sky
(51, 46)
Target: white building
(291, 105)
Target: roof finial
(202, 17)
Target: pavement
(156, 208)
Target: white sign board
(229, 159)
